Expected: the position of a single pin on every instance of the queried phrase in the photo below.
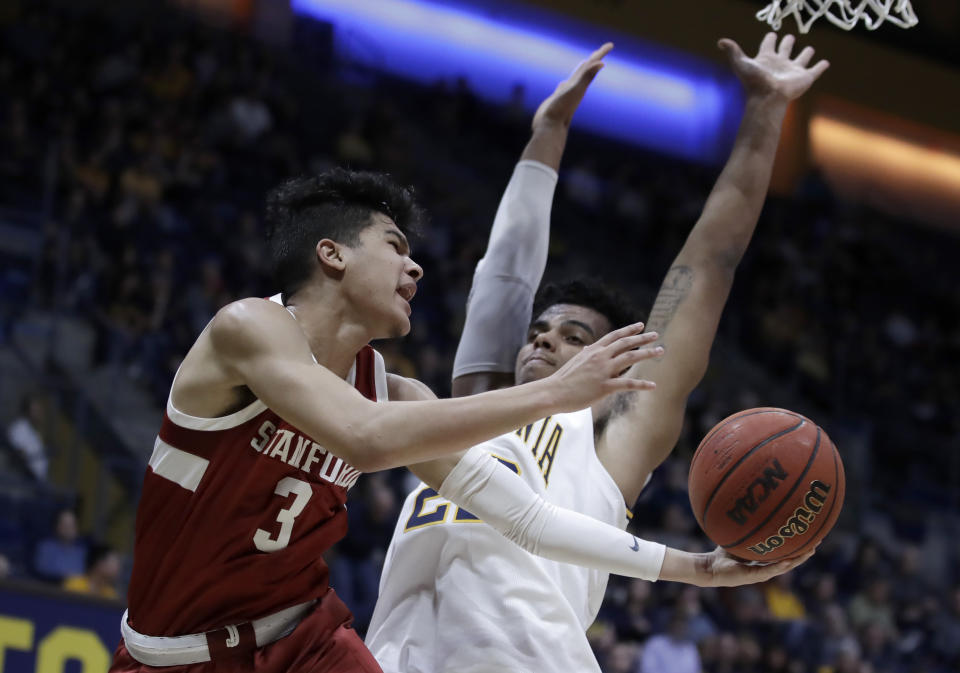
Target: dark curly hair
(609, 302)
(337, 204)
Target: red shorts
(323, 642)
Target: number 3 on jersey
(286, 516)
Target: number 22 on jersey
(430, 508)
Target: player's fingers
(601, 52)
(769, 42)
(793, 563)
(803, 58)
(587, 76)
(786, 45)
(731, 49)
(765, 573)
(626, 384)
(787, 565)
(800, 560)
(589, 66)
(629, 343)
(820, 68)
(631, 357)
(617, 334)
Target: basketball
(766, 484)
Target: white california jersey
(456, 596)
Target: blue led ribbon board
(677, 107)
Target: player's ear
(330, 255)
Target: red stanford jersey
(235, 514)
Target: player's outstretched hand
(595, 371)
(723, 570)
(558, 108)
(772, 70)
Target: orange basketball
(766, 484)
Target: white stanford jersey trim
(180, 467)
(222, 422)
(210, 424)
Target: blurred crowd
(63, 557)
(146, 142)
(830, 615)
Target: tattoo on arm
(674, 290)
(676, 285)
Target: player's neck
(334, 334)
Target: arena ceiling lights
(662, 101)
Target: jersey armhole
(611, 482)
(219, 423)
(211, 424)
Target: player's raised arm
(551, 121)
(257, 344)
(507, 277)
(638, 433)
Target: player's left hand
(725, 570)
(558, 108)
(772, 71)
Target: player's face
(555, 336)
(381, 278)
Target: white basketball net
(842, 13)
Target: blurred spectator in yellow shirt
(782, 601)
(101, 576)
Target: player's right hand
(725, 570)
(772, 71)
(596, 371)
(558, 108)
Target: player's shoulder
(248, 323)
(245, 315)
(242, 312)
